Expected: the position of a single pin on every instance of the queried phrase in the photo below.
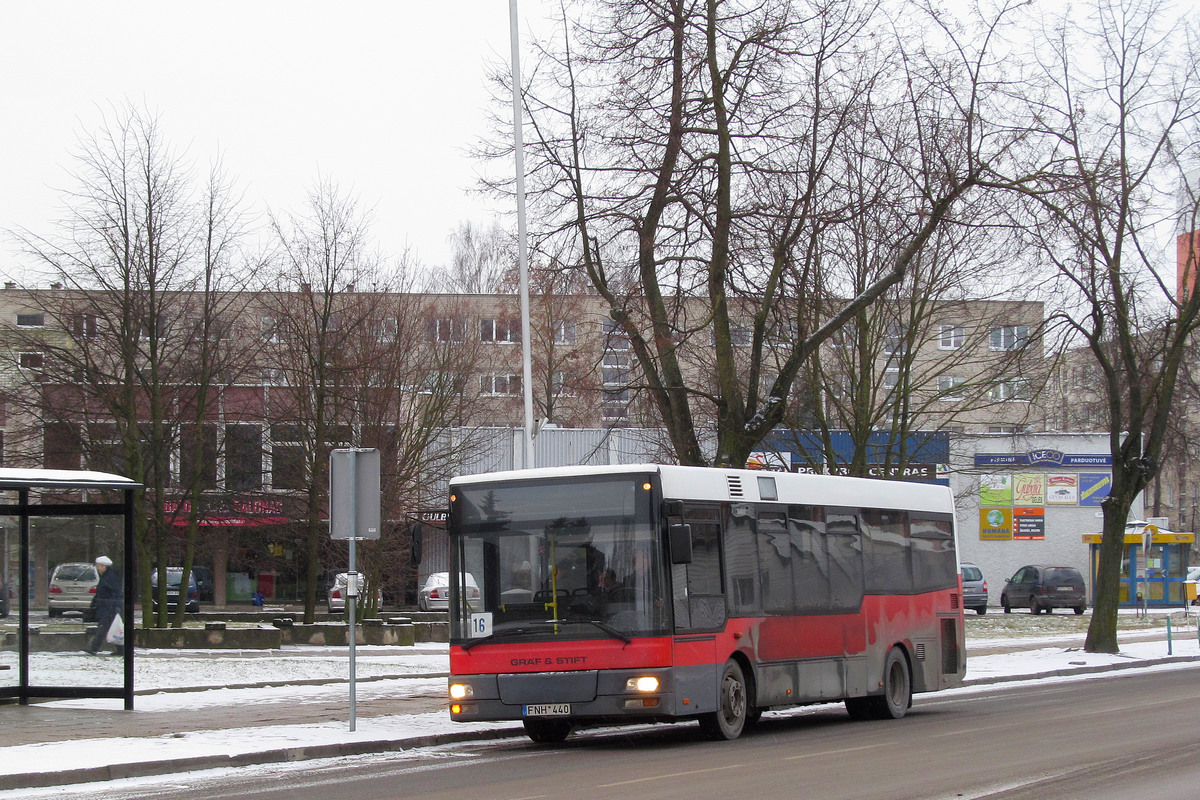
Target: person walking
(110, 594)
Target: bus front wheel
(733, 705)
(547, 731)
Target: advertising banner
(1029, 523)
(1029, 489)
(1093, 488)
(1062, 490)
(995, 524)
(995, 490)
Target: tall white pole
(522, 245)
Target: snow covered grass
(1064, 622)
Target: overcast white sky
(381, 97)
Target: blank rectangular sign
(354, 493)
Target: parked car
(72, 587)
(1039, 587)
(174, 581)
(975, 590)
(435, 594)
(335, 596)
(204, 582)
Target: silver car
(72, 587)
(335, 596)
(435, 594)
(975, 588)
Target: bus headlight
(646, 683)
(460, 690)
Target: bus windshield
(572, 558)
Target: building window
(614, 336)
(1004, 391)
(1008, 337)
(287, 456)
(950, 387)
(565, 332)
(31, 320)
(951, 337)
(560, 385)
(31, 360)
(741, 335)
(614, 406)
(446, 329)
(243, 456)
(84, 326)
(273, 376)
(388, 331)
(502, 331)
(498, 384)
(615, 369)
(270, 330)
(891, 379)
(198, 456)
(440, 382)
(106, 452)
(895, 340)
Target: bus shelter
(1153, 564)
(55, 524)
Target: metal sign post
(353, 515)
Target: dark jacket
(110, 589)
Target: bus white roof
(742, 485)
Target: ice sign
(481, 624)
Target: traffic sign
(354, 493)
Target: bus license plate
(547, 710)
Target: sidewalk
(209, 720)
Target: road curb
(141, 769)
(144, 769)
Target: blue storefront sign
(1043, 457)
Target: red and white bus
(645, 593)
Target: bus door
(698, 602)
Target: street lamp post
(522, 245)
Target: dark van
(1039, 587)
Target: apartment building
(239, 394)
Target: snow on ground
(380, 670)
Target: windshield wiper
(499, 634)
(610, 630)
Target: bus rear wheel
(897, 687)
(547, 731)
(733, 706)
(897, 692)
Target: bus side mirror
(681, 543)
(414, 538)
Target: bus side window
(932, 540)
(741, 564)
(844, 544)
(810, 558)
(775, 563)
(886, 551)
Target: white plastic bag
(116, 631)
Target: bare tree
(483, 261)
(314, 316)
(688, 149)
(134, 247)
(1116, 123)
